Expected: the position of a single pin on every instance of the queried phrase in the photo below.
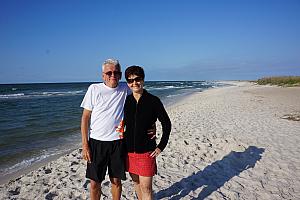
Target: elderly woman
(141, 111)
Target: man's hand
(152, 132)
(86, 154)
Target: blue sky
(66, 41)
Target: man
(101, 129)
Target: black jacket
(139, 117)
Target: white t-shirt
(107, 106)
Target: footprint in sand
(15, 191)
(51, 195)
(47, 171)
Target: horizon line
(19, 83)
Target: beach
(234, 142)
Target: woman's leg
(137, 188)
(146, 187)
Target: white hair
(111, 61)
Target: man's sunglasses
(136, 79)
(110, 73)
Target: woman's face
(135, 83)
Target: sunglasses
(136, 79)
(110, 73)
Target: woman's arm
(166, 125)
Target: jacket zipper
(135, 116)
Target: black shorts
(106, 154)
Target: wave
(62, 93)
(41, 94)
(174, 95)
(167, 87)
(6, 96)
(26, 163)
(43, 156)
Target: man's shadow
(213, 176)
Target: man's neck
(111, 86)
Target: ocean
(41, 120)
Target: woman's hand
(155, 153)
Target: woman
(141, 111)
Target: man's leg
(116, 169)
(116, 188)
(146, 187)
(95, 190)
(136, 181)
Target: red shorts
(141, 164)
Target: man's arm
(85, 119)
(152, 131)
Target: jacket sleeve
(166, 125)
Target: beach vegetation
(287, 81)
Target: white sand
(226, 143)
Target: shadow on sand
(213, 176)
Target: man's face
(111, 75)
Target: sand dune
(237, 142)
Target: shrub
(280, 80)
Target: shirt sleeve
(166, 125)
(87, 102)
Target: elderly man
(101, 129)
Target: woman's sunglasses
(110, 73)
(136, 79)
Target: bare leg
(136, 182)
(146, 187)
(116, 188)
(95, 190)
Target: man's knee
(116, 182)
(95, 185)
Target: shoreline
(228, 142)
(32, 167)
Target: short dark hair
(134, 70)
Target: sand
(236, 142)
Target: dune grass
(288, 81)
